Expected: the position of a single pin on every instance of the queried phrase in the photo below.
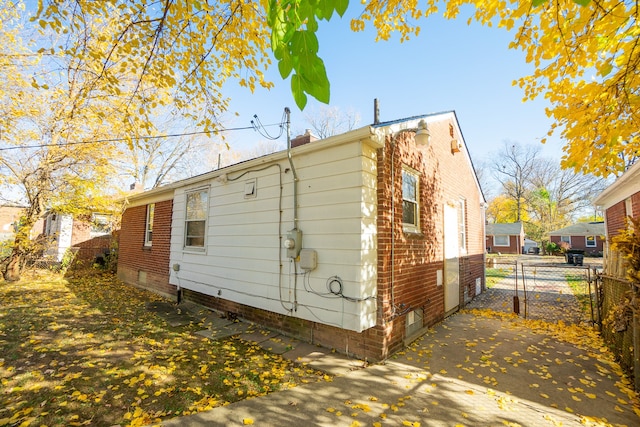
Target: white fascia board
(625, 186)
(156, 195)
(366, 135)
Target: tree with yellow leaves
(586, 55)
(57, 126)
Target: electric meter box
(293, 243)
(308, 259)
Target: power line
(174, 135)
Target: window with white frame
(196, 219)
(148, 233)
(462, 224)
(590, 241)
(100, 224)
(628, 207)
(410, 194)
(501, 240)
(565, 239)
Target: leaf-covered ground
(85, 351)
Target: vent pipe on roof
(376, 111)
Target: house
(356, 242)
(585, 236)
(505, 238)
(89, 238)
(9, 220)
(618, 201)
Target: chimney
(136, 187)
(303, 139)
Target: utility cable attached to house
(141, 138)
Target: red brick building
(586, 236)
(505, 238)
(357, 242)
(618, 201)
(9, 219)
(89, 238)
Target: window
(628, 207)
(100, 224)
(410, 207)
(196, 221)
(565, 239)
(501, 240)
(462, 223)
(148, 233)
(590, 241)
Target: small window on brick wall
(410, 198)
(148, 234)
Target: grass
(84, 350)
(578, 285)
(494, 275)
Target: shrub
(552, 248)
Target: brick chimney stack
(303, 139)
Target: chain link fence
(551, 291)
(620, 327)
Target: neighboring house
(620, 200)
(9, 220)
(89, 238)
(357, 242)
(586, 236)
(505, 238)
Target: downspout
(293, 170)
(287, 111)
(393, 231)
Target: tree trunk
(14, 267)
(21, 245)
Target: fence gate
(545, 291)
(555, 292)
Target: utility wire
(174, 135)
(261, 129)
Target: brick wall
(635, 205)
(580, 242)
(513, 248)
(88, 248)
(407, 279)
(365, 345)
(146, 266)
(615, 218)
(616, 214)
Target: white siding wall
(62, 229)
(337, 195)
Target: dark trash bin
(578, 259)
(569, 257)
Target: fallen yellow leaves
(97, 356)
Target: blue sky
(449, 66)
